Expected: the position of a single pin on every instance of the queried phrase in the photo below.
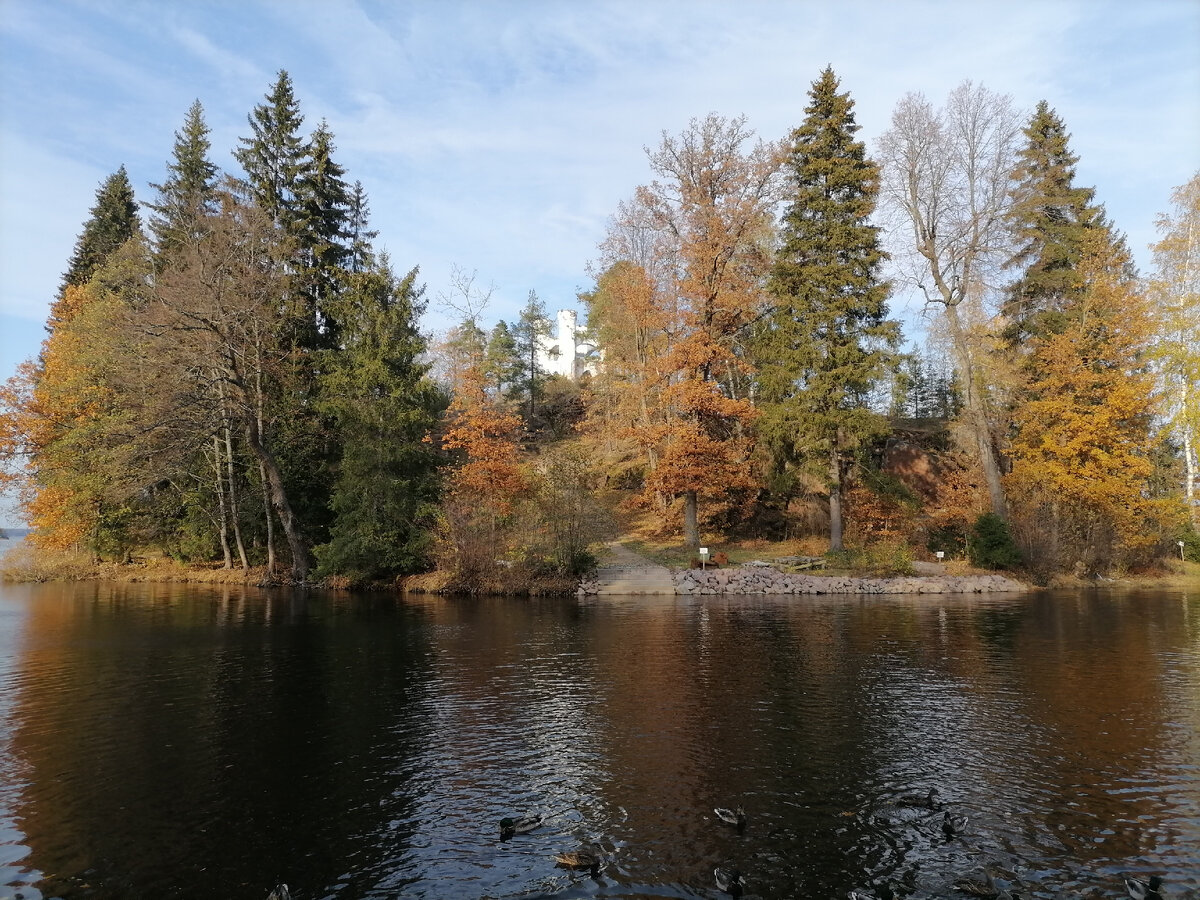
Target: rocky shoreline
(766, 580)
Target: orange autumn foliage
(714, 202)
(491, 473)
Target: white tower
(564, 353)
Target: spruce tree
(189, 191)
(1049, 217)
(321, 227)
(274, 157)
(359, 234)
(826, 341)
(112, 222)
(378, 393)
(531, 328)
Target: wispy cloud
(501, 135)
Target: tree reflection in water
(176, 741)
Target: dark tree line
(246, 380)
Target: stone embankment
(767, 580)
(764, 580)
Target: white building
(567, 352)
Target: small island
(236, 385)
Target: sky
(497, 137)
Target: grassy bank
(27, 564)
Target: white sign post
(704, 557)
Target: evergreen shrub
(991, 544)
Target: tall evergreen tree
(359, 234)
(531, 328)
(827, 339)
(274, 156)
(112, 222)
(322, 231)
(1049, 218)
(189, 191)
(385, 407)
(501, 365)
(1082, 457)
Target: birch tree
(1175, 289)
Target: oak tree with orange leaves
(483, 491)
(713, 200)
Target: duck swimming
(921, 801)
(953, 826)
(976, 888)
(737, 817)
(520, 825)
(731, 881)
(1144, 890)
(578, 859)
(887, 892)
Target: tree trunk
(977, 415)
(691, 533)
(233, 501)
(279, 500)
(835, 499)
(262, 470)
(1189, 457)
(270, 517)
(223, 529)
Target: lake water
(164, 741)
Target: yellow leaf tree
(1081, 453)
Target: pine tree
(274, 157)
(112, 222)
(825, 343)
(189, 191)
(1049, 217)
(1082, 454)
(464, 348)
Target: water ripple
(184, 742)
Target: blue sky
(500, 136)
